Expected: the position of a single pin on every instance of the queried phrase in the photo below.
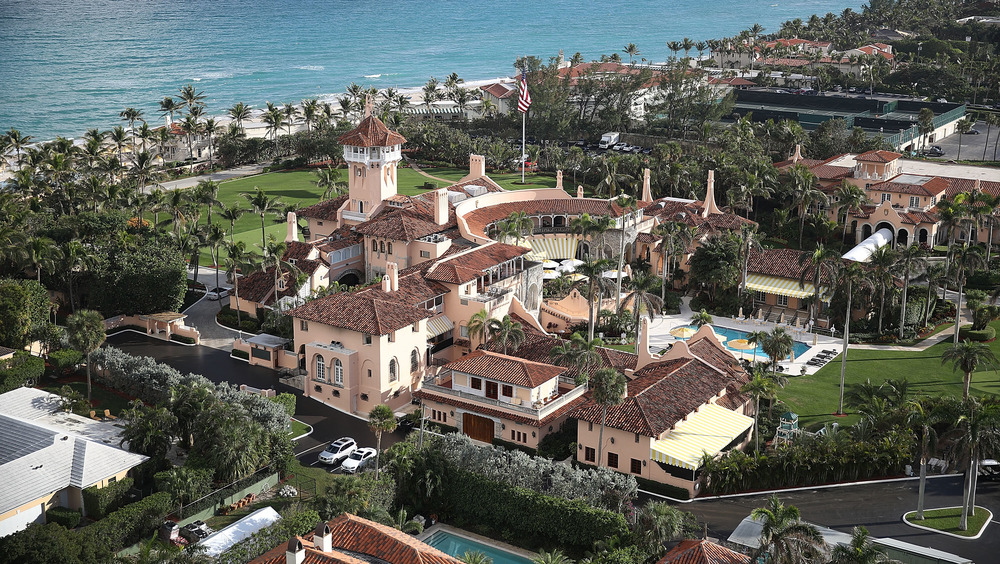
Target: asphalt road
(972, 145)
(879, 507)
(328, 424)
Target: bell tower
(372, 152)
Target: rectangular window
(366, 339)
(369, 372)
(886, 197)
(476, 383)
(425, 254)
(783, 301)
(590, 426)
(637, 438)
(589, 454)
(914, 201)
(513, 435)
(416, 327)
(319, 223)
(507, 391)
(303, 325)
(612, 460)
(392, 337)
(464, 331)
(636, 466)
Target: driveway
(328, 424)
(879, 507)
(201, 314)
(230, 174)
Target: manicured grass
(946, 520)
(218, 522)
(298, 429)
(814, 397)
(306, 476)
(626, 348)
(100, 399)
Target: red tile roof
(480, 218)
(702, 551)
(498, 413)
(499, 90)
(931, 187)
(782, 263)
(258, 286)
(297, 250)
(877, 157)
(507, 369)
(469, 266)
(352, 535)
(371, 132)
(689, 213)
(538, 347)
(327, 209)
(374, 313)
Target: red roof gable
(506, 369)
(702, 551)
(877, 157)
(371, 132)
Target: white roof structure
(867, 248)
(220, 541)
(43, 450)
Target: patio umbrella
(574, 277)
(742, 345)
(550, 275)
(682, 332)
(614, 274)
(569, 265)
(550, 264)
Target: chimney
(559, 179)
(579, 191)
(294, 553)
(441, 206)
(386, 283)
(392, 272)
(798, 153)
(323, 538)
(477, 167)
(708, 207)
(293, 228)
(647, 194)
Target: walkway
(201, 314)
(220, 176)
(413, 164)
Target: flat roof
(266, 340)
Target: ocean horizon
(70, 65)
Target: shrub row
(21, 368)
(132, 522)
(182, 339)
(523, 517)
(98, 502)
(286, 401)
(241, 354)
(65, 516)
(987, 334)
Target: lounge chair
(93, 415)
(107, 414)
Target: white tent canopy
(220, 541)
(865, 249)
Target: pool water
(798, 348)
(456, 546)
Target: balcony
(494, 293)
(354, 216)
(441, 384)
(333, 346)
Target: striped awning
(708, 430)
(537, 256)
(554, 248)
(438, 325)
(782, 286)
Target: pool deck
(660, 337)
(478, 538)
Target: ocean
(69, 65)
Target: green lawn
(626, 348)
(298, 429)
(101, 399)
(946, 520)
(814, 397)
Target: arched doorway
(922, 237)
(866, 231)
(886, 225)
(349, 278)
(902, 238)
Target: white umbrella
(572, 262)
(550, 264)
(550, 275)
(614, 274)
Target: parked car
(217, 293)
(934, 151)
(195, 532)
(338, 451)
(358, 459)
(619, 146)
(972, 132)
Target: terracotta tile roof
(341, 238)
(489, 411)
(371, 132)
(931, 187)
(414, 287)
(719, 357)
(702, 551)
(352, 535)
(537, 347)
(411, 222)
(808, 163)
(786, 62)
(461, 268)
(831, 172)
(478, 219)
(374, 312)
(258, 287)
(958, 185)
(484, 181)
(297, 250)
(326, 210)
(877, 157)
(511, 370)
(499, 90)
(918, 217)
(783, 263)
(689, 213)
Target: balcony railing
(354, 216)
(432, 384)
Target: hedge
(65, 516)
(64, 359)
(98, 502)
(523, 517)
(987, 334)
(132, 522)
(182, 339)
(662, 489)
(286, 401)
(14, 372)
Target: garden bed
(946, 521)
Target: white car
(358, 459)
(338, 451)
(619, 146)
(217, 293)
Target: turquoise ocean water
(66, 65)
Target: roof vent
(456, 197)
(475, 190)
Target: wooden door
(492, 390)
(478, 428)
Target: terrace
(442, 384)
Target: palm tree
(41, 253)
(805, 193)
(968, 356)
(759, 386)
(632, 51)
(215, 238)
(16, 141)
(329, 180)
(554, 557)
(882, 264)
(701, 318)
(206, 193)
(130, 116)
(85, 330)
(517, 225)
(817, 266)
(168, 107)
(381, 420)
(861, 550)
(239, 113)
(190, 126)
(479, 326)
(849, 275)
(403, 522)
(594, 272)
(850, 198)
(232, 215)
(935, 275)
(607, 386)
(784, 538)
(962, 126)
(190, 97)
(642, 288)
(506, 331)
(778, 345)
(148, 430)
(261, 204)
(965, 258)
(274, 252)
(924, 417)
(475, 557)
(577, 353)
(975, 430)
(908, 257)
(238, 259)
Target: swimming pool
(456, 546)
(798, 348)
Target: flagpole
(524, 116)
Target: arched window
(381, 247)
(414, 361)
(338, 372)
(320, 368)
(388, 248)
(393, 373)
(374, 246)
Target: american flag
(524, 100)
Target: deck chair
(107, 414)
(93, 415)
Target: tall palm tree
(130, 116)
(239, 113)
(169, 107)
(328, 179)
(261, 204)
(143, 169)
(964, 258)
(923, 416)
(777, 344)
(936, 274)
(975, 431)
(41, 253)
(784, 538)
(642, 296)
(962, 126)
(206, 193)
(882, 272)
(805, 193)
(849, 198)
(817, 266)
(506, 331)
(191, 97)
(607, 386)
(578, 353)
(968, 356)
(593, 270)
(479, 326)
(632, 51)
(232, 215)
(674, 237)
(191, 127)
(215, 238)
(519, 224)
(238, 260)
(759, 386)
(908, 257)
(381, 420)
(274, 252)
(849, 275)
(85, 331)
(18, 142)
(750, 240)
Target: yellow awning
(708, 430)
(554, 248)
(537, 256)
(438, 325)
(782, 286)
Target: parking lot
(973, 146)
